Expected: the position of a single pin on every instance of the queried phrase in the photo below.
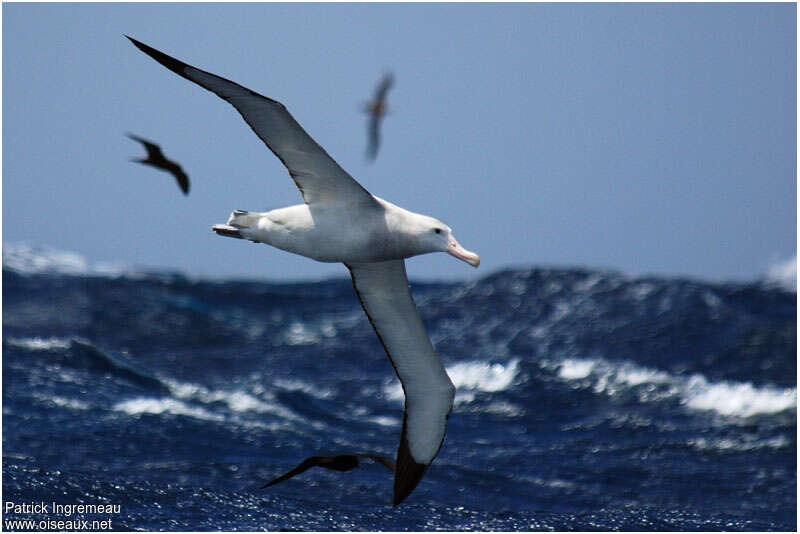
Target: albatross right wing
(382, 288)
(316, 174)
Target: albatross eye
(437, 230)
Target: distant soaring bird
(155, 158)
(341, 221)
(377, 109)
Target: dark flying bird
(341, 462)
(341, 221)
(155, 158)
(377, 110)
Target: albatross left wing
(382, 288)
(316, 174)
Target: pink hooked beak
(454, 249)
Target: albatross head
(438, 237)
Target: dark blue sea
(586, 400)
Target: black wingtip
(170, 62)
(134, 137)
(408, 472)
(184, 186)
(134, 41)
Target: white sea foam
(300, 334)
(149, 405)
(740, 399)
(27, 258)
(746, 443)
(236, 401)
(695, 392)
(783, 274)
(384, 420)
(642, 290)
(473, 377)
(505, 409)
(575, 369)
(39, 343)
(62, 402)
(589, 283)
(299, 385)
(72, 404)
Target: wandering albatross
(341, 221)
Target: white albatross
(341, 222)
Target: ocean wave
(222, 406)
(474, 377)
(695, 392)
(26, 258)
(746, 443)
(299, 334)
(737, 399)
(304, 387)
(62, 402)
(39, 343)
(383, 420)
(236, 400)
(783, 274)
(81, 354)
(158, 406)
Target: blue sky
(648, 138)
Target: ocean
(586, 399)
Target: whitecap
(149, 405)
(783, 274)
(27, 258)
(39, 343)
(695, 392)
(737, 398)
(746, 443)
(483, 376)
(573, 369)
(299, 334)
(384, 420)
(641, 290)
(236, 400)
(588, 283)
(505, 409)
(304, 387)
(62, 402)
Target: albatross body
(341, 222)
